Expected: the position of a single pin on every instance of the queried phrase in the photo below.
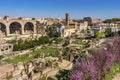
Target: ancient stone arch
(29, 28)
(3, 28)
(15, 28)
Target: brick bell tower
(67, 18)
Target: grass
(78, 41)
(115, 69)
(46, 50)
(22, 58)
(25, 58)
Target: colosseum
(17, 26)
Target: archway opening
(15, 28)
(3, 28)
(29, 28)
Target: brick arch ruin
(17, 26)
(3, 28)
(28, 27)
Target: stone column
(22, 29)
(34, 28)
(7, 30)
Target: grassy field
(23, 58)
(46, 50)
(49, 51)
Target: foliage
(57, 34)
(59, 40)
(22, 58)
(65, 52)
(43, 78)
(63, 75)
(78, 41)
(1, 57)
(88, 30)
(83, 31)
(99, 35)
(109, 33)
(66, 43)
(111, 20)
(97, 66)
(43, 40)
(31, 43)
(49, 51)
(52, 32)
(115, 69)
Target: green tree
(99, 35)
(66, 43)
(51, 31)
(63, 75)
(109, 33)
(111, 20)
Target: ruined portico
(17, 26)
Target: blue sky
(57, 8)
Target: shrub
(97, 66)
(99, 35)
(31, 43)
(66, 43)
(109, 33)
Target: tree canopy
(51, 30)
(111, 20)
(99, 35)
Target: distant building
(92, 20)
(67, 19)
(101, 27)
(69, 27)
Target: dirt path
(117, 77)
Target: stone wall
(6, 22)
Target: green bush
(66, 43)
(115, 69)
(99, 35)
(31, 43)
(109, 33)
(59, 41)
(63, 75)
(78, 41)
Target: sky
(57, 8)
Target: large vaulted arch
(29, 28)
(15, 28)
(3, 28)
